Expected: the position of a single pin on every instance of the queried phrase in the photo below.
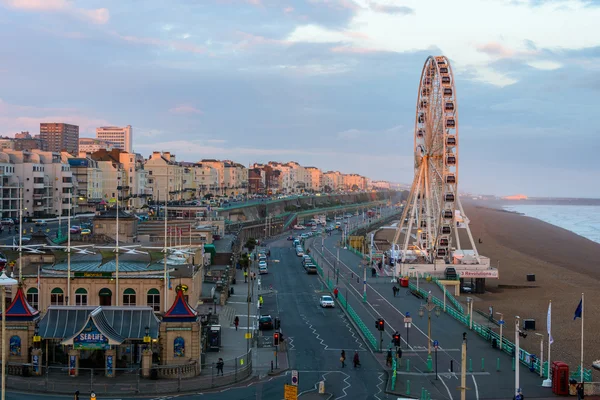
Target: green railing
(394, 373)
(449, 295)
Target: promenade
(490, 371)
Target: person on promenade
(395, 290)
(220, 364)
(245, 276)
(388, 358)
(580, 391)
(261, 301)
(236, 322)
(335, 292)
(343, 358)
(356, 360)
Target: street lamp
(429, 306)
(501, 322)
(4, 282)
(470, 311)
(541, 354)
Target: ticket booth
(214, 337)
(560, 378)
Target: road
(486, 382)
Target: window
(81, 297)
(57, 297)
(32, 297)
(153, 299)
(129, 297)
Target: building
(121, 137)
(60, 137)
(314, 178)
(47, 183)
(332, 181)
(232, 177)
(165, 176)
(91, 145)
(9, 188)
(380, 185)
(354, 182)
(88, 177)
(256, 181)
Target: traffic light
(396, 339)
(380, 324)
(276, 339)
(277, 323)
(399, 353)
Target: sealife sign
(90, 338)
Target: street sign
(408, 325)
(501, 322)
(436, 344)
(248, 335)
(290, 392)
(407, 320)
(322, 387)
(295, 377)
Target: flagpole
(581, 372)
(548, 382)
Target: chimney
(167, 155)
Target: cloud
(185, 109)
(170, 44)
(495, 49)
(391, 9)
(545, 65)
(97, 16)
(352, 134)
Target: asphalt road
(486, 382)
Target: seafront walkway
(490, 371)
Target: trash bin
(494, 343)
(231, 291)
(154, 374)
(404, 282)
(26, 371)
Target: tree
(354, 187)
(208, 196)
(250, 244)
(327, 189)
(245, 260)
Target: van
(299, 251)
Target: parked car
(265, 323)
(7, 221)
(327, 301)
(41, 222)
(86, 232)
(75, 229)
(216, 237)
(290, 238)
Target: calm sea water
(582, 220)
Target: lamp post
(463, 368)
(501, 322)
(429, 306)
(470, 311)
(4, 282)
(541, 354)
(517, 357)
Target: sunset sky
(327, 83)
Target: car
(41, 222)
(299, 252)
(304, 235)
(75, 229)
(216, 237)
(262, 263)
(290, 238)
(311, 269)
(327, 301)
(265, 323)
(86, 232)
(263, 270)
(8, 221)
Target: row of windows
(57, 297)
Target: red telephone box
(560, 378)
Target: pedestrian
(388, 358)
(236, 322)
(335, 292)
(343, 358)
(261, 301)
(245, 276)
(76, 395)
(580, 391)
(220, 364)
(394, 289)
(356, 360)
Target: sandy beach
(565, 265)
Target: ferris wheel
(429, 217)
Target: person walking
(395, 290)
(335, 292)
(580, 391)
(220, 365)
(261, 301)
(236, 322)
(356, 360)
(343, 358)
(388, 358)
(245, 276)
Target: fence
(164, 379)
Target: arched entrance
(105, 296)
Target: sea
(583, 220)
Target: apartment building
(91, 145)
(332, 181)
(59, 137)
(236, 178)
(256, 181)
(88, 180)
(205, 178)
(380, 185)
(121, 137)
(314, 178)
(299, 177)
(47, 183)
(354, 182)
(165, 176)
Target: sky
(326, 83)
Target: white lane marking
(447, 390)
(379, 385)
(476, 388)
(314, 331)
(356, 339)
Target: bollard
(407, 365)
(470, 365)
(357, 280)
(407, 387)
(498, 364)
(513, 364)
(271, 365)
(482, 364)
(451, 365)
(422, 393)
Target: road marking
(476, 388)
(447, 390)
(379, 386)
(433, 373)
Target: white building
(91, 145)
(121, 137)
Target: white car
(327, 301)
(262, 264)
